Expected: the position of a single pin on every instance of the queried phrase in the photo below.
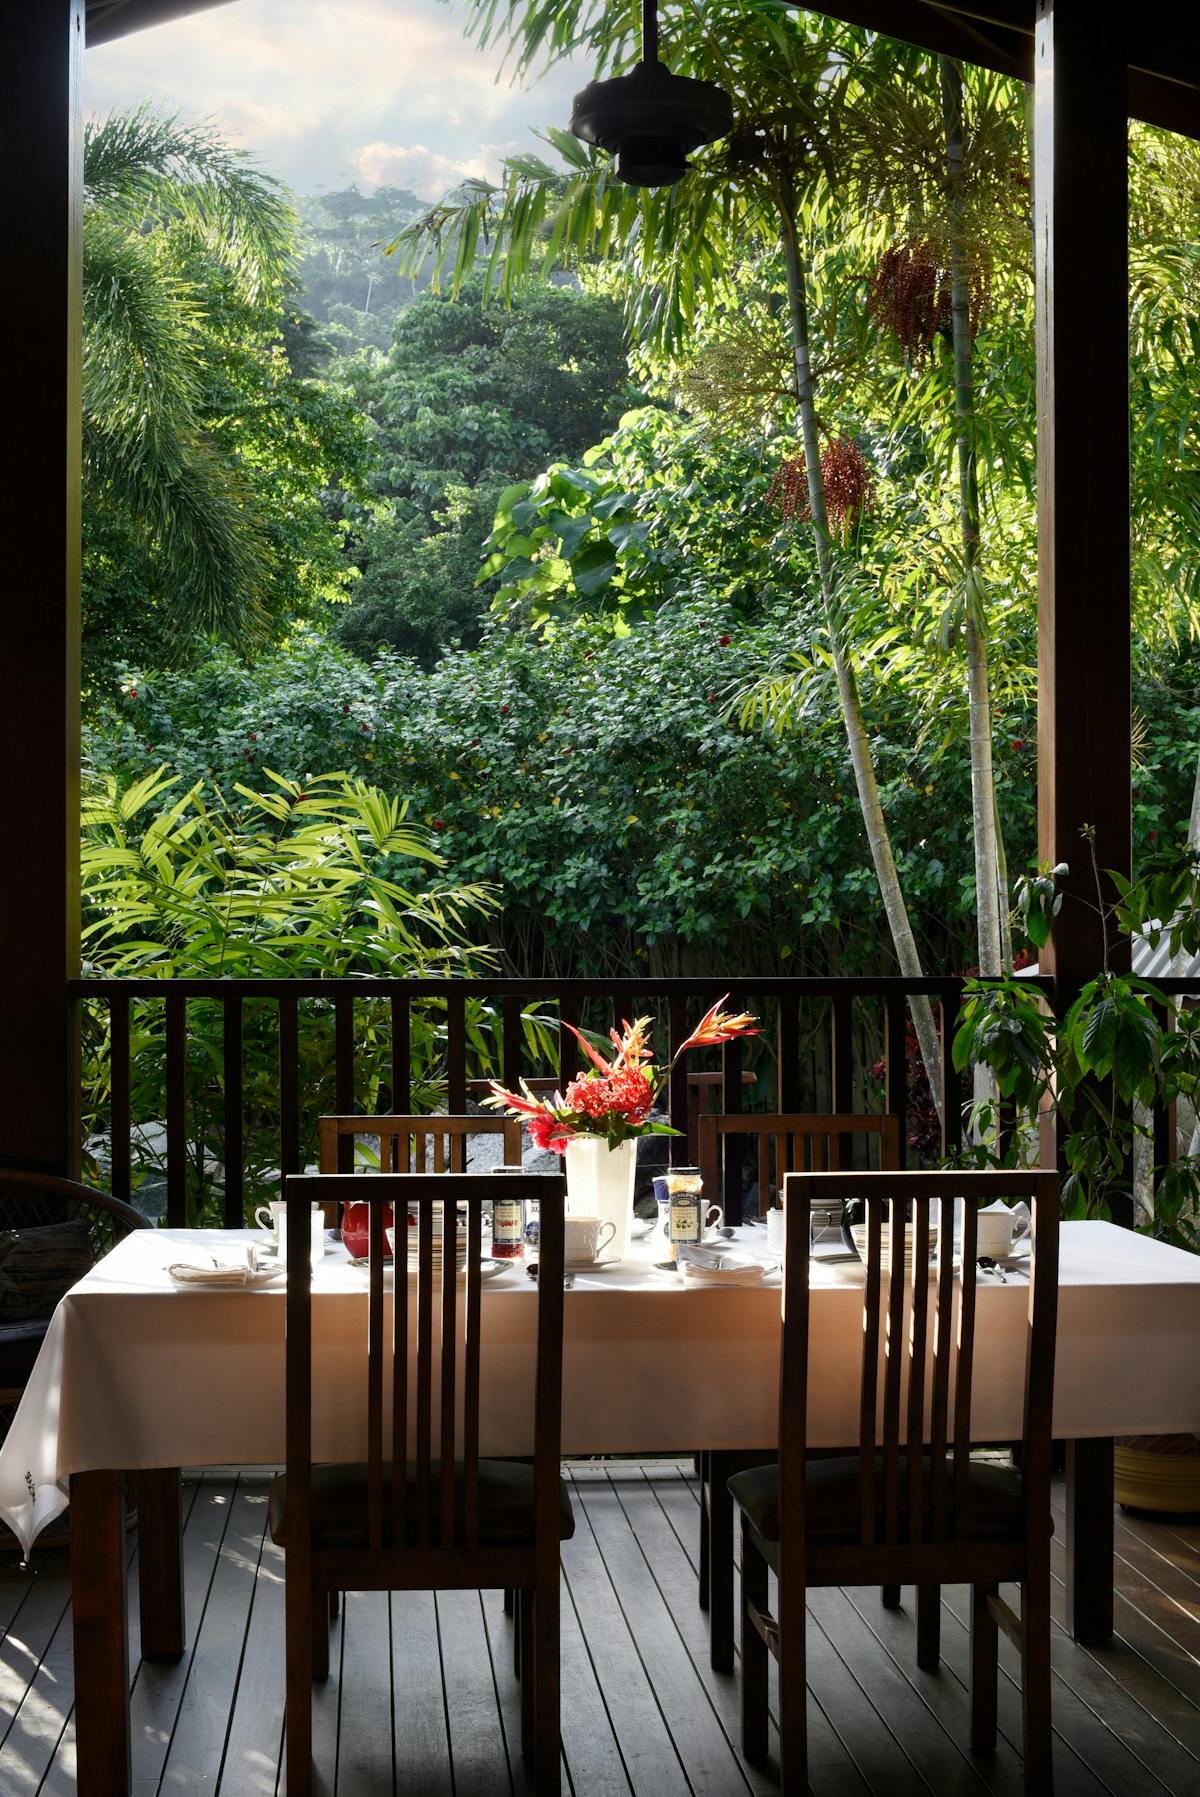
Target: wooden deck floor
(422, 1699)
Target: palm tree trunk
(857, 736)
(983, 795)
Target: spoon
(989, 1264)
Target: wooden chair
(911, 1506)
(430, 1144)
(424, 1511)
(783, 1143)
(36, 1200)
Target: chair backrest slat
(869, 1398)
(449, 1344)
(435, 1507)
(943, 1354)
(964, 1360)
(471, 1378)
(894, 1350)
(375, 1378)
(801, 1142)
(424, 1368)
(404, 1140)
(928, 1500)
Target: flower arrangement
(614, 1098)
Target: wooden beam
(1082, 331)
(109, 19)
(41, 316)
(1163, 61)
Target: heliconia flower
(546, 1131)
(598, 1061)
(632, 1044)
(718, 1026)
(527, 1106)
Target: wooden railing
(372, 1044)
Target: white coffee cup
(317, 1233)
(267, 1216)
(776, 1231)
(585, 1238)
(998, 1228)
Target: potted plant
(1122, 1050)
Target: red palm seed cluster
(845, 475)
(910, 294)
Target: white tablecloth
(136, 1372)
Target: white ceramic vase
(600, 1184)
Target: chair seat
(339, 1505)
(20, 1344)
(832, 1505)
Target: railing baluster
(513, 1043)
(896, 1099)
(568, 1047)
(343, 1075)
(731, 1104)
(401, 1058)
(677, 1093)
(788, 1070)
(120, 1167)
(233, 1150)
(456, 1053)
(289, 1097)
(952, 1083)
(176, 1047)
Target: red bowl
(356, 1225)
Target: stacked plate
(859, 1232)
(460, 1246)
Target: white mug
(997, 1229)
(317, 1229)
(584, 1238)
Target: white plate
(264, 1276)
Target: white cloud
(322, 91)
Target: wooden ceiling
(1161, 39)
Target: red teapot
(356, 1226)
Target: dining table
(140, 1374)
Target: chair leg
(754, 1651)
(703, 1474)
(889, 1596)
(1035, 1676)
(526, 1671)
(298, 1613)
(929, 1627)
(335, 1605)
(545, 1681)
(985, 1658)
(510, 1602)
(720, 1563)
(791, 1652)
(519, 1618)
(320, 1636)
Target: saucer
(589, 1266)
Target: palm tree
(168, 210)
(788, 78)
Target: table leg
(720, 1559)
(101, 1635)
(160, 1563)
(1089, 1544)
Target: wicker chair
(32, 1200)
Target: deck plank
(427, 1685)
(419, 1722)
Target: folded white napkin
(705, 1266)
(236, 1264)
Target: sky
(327, 93)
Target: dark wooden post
(41, 308)
(1081, 222)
